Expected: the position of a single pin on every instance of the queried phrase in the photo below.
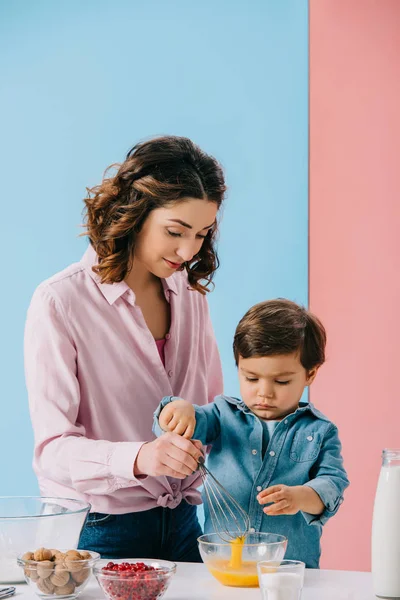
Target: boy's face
(271, 386)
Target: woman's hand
(169, 455)
(178, 416)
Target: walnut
(73, 561)
(45, 569)
(73, 555)
(80, 576)
(73, 566)
(60, 577)
(42, 554)
(65, 589)
(31, 573)
(27, 556)
(45, 586)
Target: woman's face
(173, 235)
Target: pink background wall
(355, 246)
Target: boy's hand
(288, 500)
(178, 416)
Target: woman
(108, 337)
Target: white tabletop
(194, 582)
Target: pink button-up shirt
(94, 378)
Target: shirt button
(286, 422)
(272, 453)
(254, 452)
(167, 336)
(252, 530)
(170, 373)
(259, 488)
(341, 500)
(310, 438)
(174, 486)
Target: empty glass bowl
(30, 522)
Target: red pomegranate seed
(136, 581)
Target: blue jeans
(169, 534)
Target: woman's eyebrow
(187, 224)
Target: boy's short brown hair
(280, 327)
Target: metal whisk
(229, 519)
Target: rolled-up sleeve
(62, 452)
(329, 478)
(156, 422)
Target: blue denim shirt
(304, 449)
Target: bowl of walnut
(58, 573)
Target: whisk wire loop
(228, 518)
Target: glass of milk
(281, 580)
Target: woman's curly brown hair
(154, 174)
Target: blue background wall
(81, 82)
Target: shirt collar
(169, 284)
(113, 291)
(303, 407)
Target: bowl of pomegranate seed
(134, 579)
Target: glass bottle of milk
(386, 528)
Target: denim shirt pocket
(305, 446)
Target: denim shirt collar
(302, 408)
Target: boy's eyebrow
(272, 374)
(285, 373)
(189, 226)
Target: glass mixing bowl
(235, 564)
(30, 522)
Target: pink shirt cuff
(122, 461)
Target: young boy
(278, 456)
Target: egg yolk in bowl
(234, 571)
